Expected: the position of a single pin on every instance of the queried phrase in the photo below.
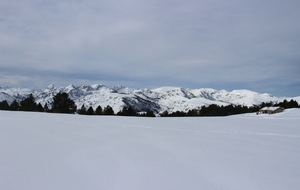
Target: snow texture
(74, 152)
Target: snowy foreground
(69, 152)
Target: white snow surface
(74, 152)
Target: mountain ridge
(161, 99)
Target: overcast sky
(232, 44)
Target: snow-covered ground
(243, 152)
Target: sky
(233, 44)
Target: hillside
(158, 100)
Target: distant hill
(169, 99)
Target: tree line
(216, 110)
(108, 110)
(213, 110)
(63, 104)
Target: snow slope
(56, 151)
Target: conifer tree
(14, 106)
(284, 104)
(108, 111)
(46, 108)
(127, 111)
(90, 111)
(82, 110)
(123, 111)
(192, 113)
(63, 104)
(150, 113)
(131, 111)
(39, 108)
(292, 104)
(164, 114)
(98, 110)
(4, 105)
(28, 104)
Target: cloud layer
(218, 44)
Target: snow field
(57, 151)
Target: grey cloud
(153, 43)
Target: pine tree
(292, 104)
(28, 104)
(121, 112)
(4, 105)
(14, 106)
(192, 113)
(63, 104)
(46, 108)
(108, 111)
(284, 104)
(127, 111)
(131, 111)
(165, 114)
(150, 113)
(98, 110)
(203, 111)
(82, 110)
(90, 111)
(39, 108)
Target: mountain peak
(121, 89)
(51, 86)
(70, 87)
(97, 86)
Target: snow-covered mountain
(158, 100)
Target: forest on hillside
(63, 104)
